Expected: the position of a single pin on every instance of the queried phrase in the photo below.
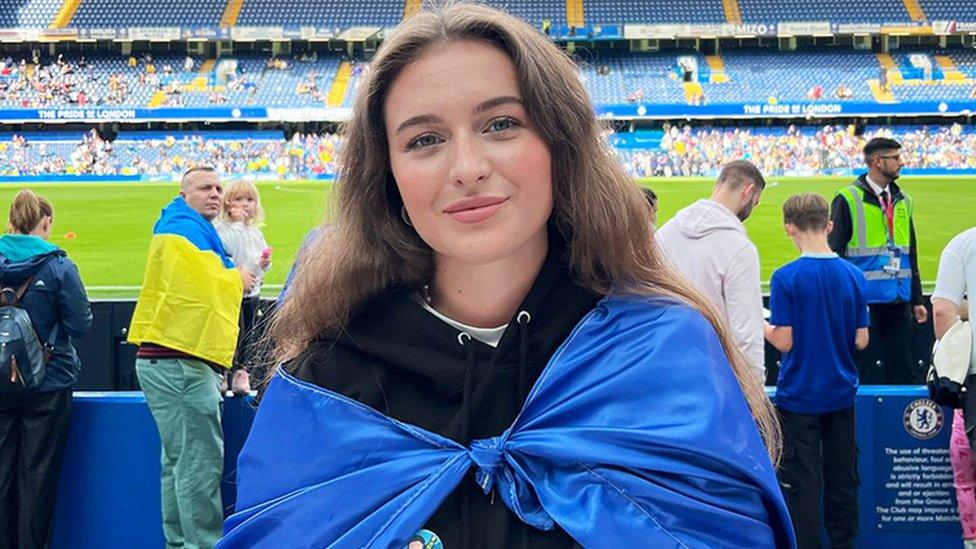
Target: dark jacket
(55, 296)
(401, 360)
(840, 215)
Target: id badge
(893, 263)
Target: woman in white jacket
(239, 228)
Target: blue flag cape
(636, 434)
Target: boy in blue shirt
(819, 320)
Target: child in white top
(239, 227)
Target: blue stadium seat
(952, 10)
(147, 13)
(836, 11)
(597, 12)
(757, 74)
(27, 13)
(332, 14)
(534, 11)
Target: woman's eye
(502, 124)
(426, 140)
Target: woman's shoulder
(62, 266)
(658, 333)
(375, 320)
(660, 312)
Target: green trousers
(184, 397)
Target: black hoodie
(403, 361)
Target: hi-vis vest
(870, 245)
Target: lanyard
(888, 207)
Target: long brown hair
(597, 208)
(27, 211)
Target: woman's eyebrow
(480, 108)
(417, 120)
(500, 100)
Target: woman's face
(474, 175)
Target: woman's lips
(475, 210)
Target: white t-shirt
(488, 336)
(957, 275)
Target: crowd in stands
(304, 155)
(34, 80)
(683, 151)
(695, 151)
(58, 82)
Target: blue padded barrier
(109, 490)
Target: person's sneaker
(241, 383)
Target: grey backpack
(23, 356)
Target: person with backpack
(38, 368)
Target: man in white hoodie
(708, 243)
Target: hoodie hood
(22, 255)
(706, 217)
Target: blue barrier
(938, 171)
(108, 492)
(906, 496)
(108, 496)
(121, 114)
(813, 109)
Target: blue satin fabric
(635, 435)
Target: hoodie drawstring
(523, 320)
(469, 370)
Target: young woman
(34, 422)
(487, 348)
(240, 232)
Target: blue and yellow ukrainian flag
(191, 295)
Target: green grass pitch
(112, 223)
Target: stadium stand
(162, 80)
(761, 74)
(621, 77)
(837, 11)
(653, 11)
(310, 79)
(670, 151)
(953, 10)
(535, 11)
(167, 154)
(27, 14)
(794, 150)
(147, 13)
(338, 13)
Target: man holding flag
(186, 323)
(873, 229)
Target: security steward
(873, 229)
